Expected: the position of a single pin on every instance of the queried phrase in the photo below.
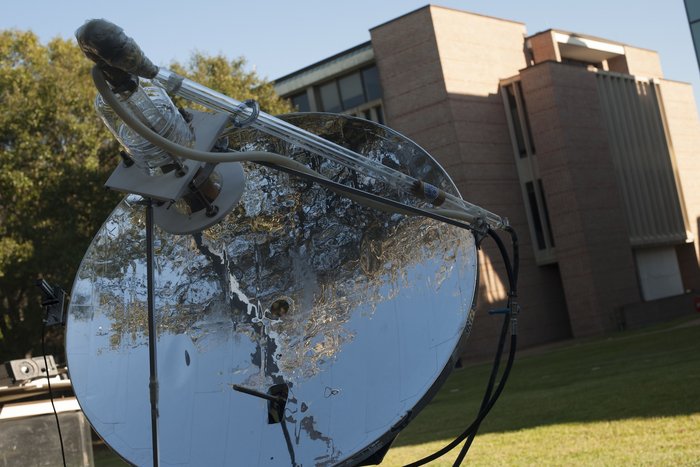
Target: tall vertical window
(545, 213)
(301, 102)
(370, 79)
(537, 205)
(357, 93)
(350, 91)
(526, 162)
(520, 120)
(330, 97)
(526, 119)
(517, 125)
(535, 214)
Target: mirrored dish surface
(355, 311)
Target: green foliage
(627, 399)
(55, 156)
(231, 78)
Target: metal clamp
(252, 104)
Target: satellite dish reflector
(304, 329)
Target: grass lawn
(630, 399)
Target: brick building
(581, 142)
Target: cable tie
(254, 106)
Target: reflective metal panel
(353, 311)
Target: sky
(279, 37)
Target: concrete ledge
(642, 314)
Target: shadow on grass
(652, 373)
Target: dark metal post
(152, 356)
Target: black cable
(516, 256)
(480, 417)
(489, 388)
(48, 381)
(470, 431)
(511, 268)
(513, 280)
(512, 272)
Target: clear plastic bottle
(152, 105)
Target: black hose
(490, 399)
(512, 272)
(280, 163)
(48, 381)
(489, 388)
(504, 329)
(482, 414)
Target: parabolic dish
(357, 312)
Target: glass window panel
(548, 224)
(330, 100)
(527, 119)
(373, 89)
(301, 102)
(535, 212)
(517, 125)
(351, 90)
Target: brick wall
(684, 132)
(440, 71)
(638, 62)
(544, 48)
(593, 251)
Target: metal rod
(152, 338)
(200, 94)
(255, 393)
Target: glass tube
(152, 105)
(214, 100)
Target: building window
(517, 125)
(526, 118)
(528, 172)
(330, 98)
(301, 102)
(351, 91)
(370, 79)
(545, 213)
(520, 120)
(357, 93)
(537, 205)
(535, 213)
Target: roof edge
(589, 36)
(430, 5)
(323, 61)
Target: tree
(231, 78)
(55, 156)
